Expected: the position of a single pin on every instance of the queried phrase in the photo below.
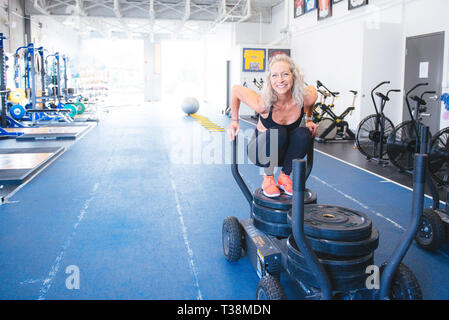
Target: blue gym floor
(137, 205)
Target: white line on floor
(31, 281)
(358, 202)
(186, 238)
(370, 172)
(46, 284)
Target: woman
(278, 138)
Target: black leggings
(278, 146)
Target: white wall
(218, 50)
(55, 36)
(12, 24)
(280, 20)
(201, 66)
(152, 76)
(333, 59)
(382, 61)
(257, 35)
(359, 48)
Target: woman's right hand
(233, 129)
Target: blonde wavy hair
(269, 96)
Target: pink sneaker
(269, 187)
(285, 183)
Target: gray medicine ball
(190, 105)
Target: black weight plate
(335, 266)
(336, 223)
(274, 229)
(310, 227)
(346, 248)
(289, 215)
(340, 283)
(269, 214)
(284, 201)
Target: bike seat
(353, 91)
(324, 93)
(422, 109)
(383, 97)
(335, 93)
(419, 100)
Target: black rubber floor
(345, 151)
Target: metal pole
(65, 91)
(58, 77)
(419, 179)
(299, 168)
(238, 177)
(3, 92)
(41, 53)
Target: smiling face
(281, 77)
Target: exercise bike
(318, 114)
(404, 140)
(324, 249)
(372, 132)
(333, 127)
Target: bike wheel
(439, 157)
(368, 135)
(322, 127)
(401, 145)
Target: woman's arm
(310, 96)
(248, 96)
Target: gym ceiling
(134, 18)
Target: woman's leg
(265, 149)
(299, 143)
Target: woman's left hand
(313, 127)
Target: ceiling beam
(80, 7)
(41, 6)
(186, 12)
(119, 15)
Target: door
(424, 63)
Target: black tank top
(269, 122)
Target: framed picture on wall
(273, 52)
(254, 60)
(310, 5)
(324, 9)
(299, 7)
(353, 4)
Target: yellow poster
(254, 60)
